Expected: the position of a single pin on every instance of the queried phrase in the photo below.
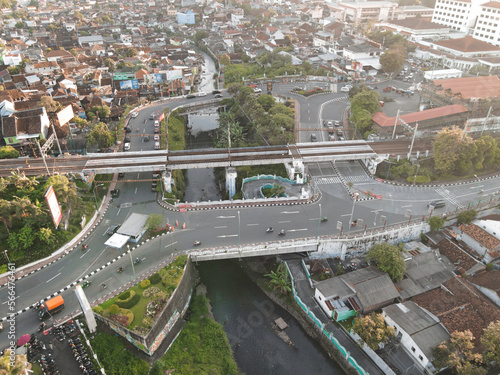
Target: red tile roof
(471, 87)
(459, 258)
(492, 4)
(383, 120)
(484, 238)
(467, 44)
(490, 280)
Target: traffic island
(151, 312)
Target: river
(248, 315)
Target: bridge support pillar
(231, 181)
(167, 181)
(297, 171)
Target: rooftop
(484, 238)
(383, 120)
(416, 23)
(467, 44)
(456, 255)
(471, 87)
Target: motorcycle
(196, 243)
(84, 247)
(86, 284)
(324, 218)
(354, 223)
(120, 269)
(137, 261)
(282, 232)
(269, 230)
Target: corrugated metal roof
(134, 225)
(383, 120)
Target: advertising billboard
(157, 78)
(174, 74)
(54, 208)
(129, 85)
(65, 115)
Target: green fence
(328, 334)
(268, 177)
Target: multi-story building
(360, 12)
(460, 15)
(185, 17)
(486, 28)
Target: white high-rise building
(487, 24)
(460, 15)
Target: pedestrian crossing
(359, 178)
(451, 198)
(327, 180)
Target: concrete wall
(169, 323)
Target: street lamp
(239, 230)
(352, 212)
(319, 220)
(5, 252)
(415, 179)
(133, 268)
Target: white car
(201, 93)
(157, 145)
(156, 137)
(257, 89)
(126, 146)
(135, 114)
(346, 89)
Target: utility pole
(413, 140)
(395, 123)
(43, 157)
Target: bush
(124, 296)
(98, 310)
(129, 302)
(155, 279)
(150, 291)
(419, 180)
(490, 267)
(145, 283)
(114, 309)
(466, 217)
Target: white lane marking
(346, 215)
(252, 225)
(297, 230)
(226, 217)
(228, 235)
(290, 212)
(3, 303)
(85, 253)
(221, 227)
(49, 280)
(409, 205)
(170, 244)
(281, 222)
(135, 190)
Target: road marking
(281, 222)
(252, 225)
(135, 190)
(224, 226)
(346, 215)
(228, 235)
(170, 244)
(290, 212)
(297, 230)
(85, 253)
(49, 280)
(476, 187)
(410, 205)
(314, 219)
(226, 217)
(3, 303)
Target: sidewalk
(306, 295)
(31, 268)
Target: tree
(131, 52)
(279, 279)
(372, 330)
(64, 189)
(436, 223)
(100, 136)
(458, 354)
(225, 59)
(491, 341)
(50, 104)
(200, 35)
(392, 61)
(466, 217)
(20, 25)
(153, 222)
(155, 63)
(6, 214)
(447, 148)
(388, 258)
(8, 152)
(266, 101)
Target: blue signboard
(158, 78)
(130, 84)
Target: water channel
(201, 185)
(248, 315)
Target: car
(341, 138)
(121, 174)
(157, 123)
(157, 145)
(436, 204)
(331, 137)
(340, 133)
(152, 116)
(257, 89)
(190, 96)
(216, 92)
(113, 229)
(329, 123)
(135, 114)
(218, 95)
(252, 85)
(126, 140)
(314, 138)
(337, 123)
(115, 193)
(157, 130)
(128, 129)
(146, 138)
(126, 146)
(345, 89)
(201, 93)
(156, 137)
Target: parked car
(156, 137)
(128, 129)
(216, 92)
(331, 137)
(314, 138)
(329, 123)
(135, 114)
(126, 140)
(157, 145)
(157, 123)
(252, 85)
(121, 174)
(157, 130)
(257, 89)
(337, 123)
(190, 96)
(201, 93)
(218, 95)
(126, 146)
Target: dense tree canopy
(388, 258)
(372, 329)
(392, 60)
(100, 136)
(491, 341)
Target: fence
(328, 334)
(268, 177)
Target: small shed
(134, 227)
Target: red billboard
(54, 207)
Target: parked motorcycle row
(36, 352)
(81, 356)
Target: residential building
(460, 15)
(90, 40)
(417, 330)
(359, 12)
(25, 125)
(479, 240)
(185, 17)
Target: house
(58, 55)
(418, 331)
(489, 284)
(479, 240)
(90, 40)
(46, 67)
(25, 125)
(185, 17)
(364, 290)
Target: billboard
(54, 208)
(157, 78)
(174, 74)
(65, 115)
(129, 85)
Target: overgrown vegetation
(201, 348)
(279, 279)
(115, 358)
(388, 258)
(364, 103)
(372, 329)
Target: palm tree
(64, 189)
(279, 279)
(24, 207)
(6, 214)
(278, 190)
(23, 182)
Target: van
(314, 138)
(152, 116)
(436, 204)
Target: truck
(50, 307)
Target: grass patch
(115, 358)
(201, 348)
(176, 132)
